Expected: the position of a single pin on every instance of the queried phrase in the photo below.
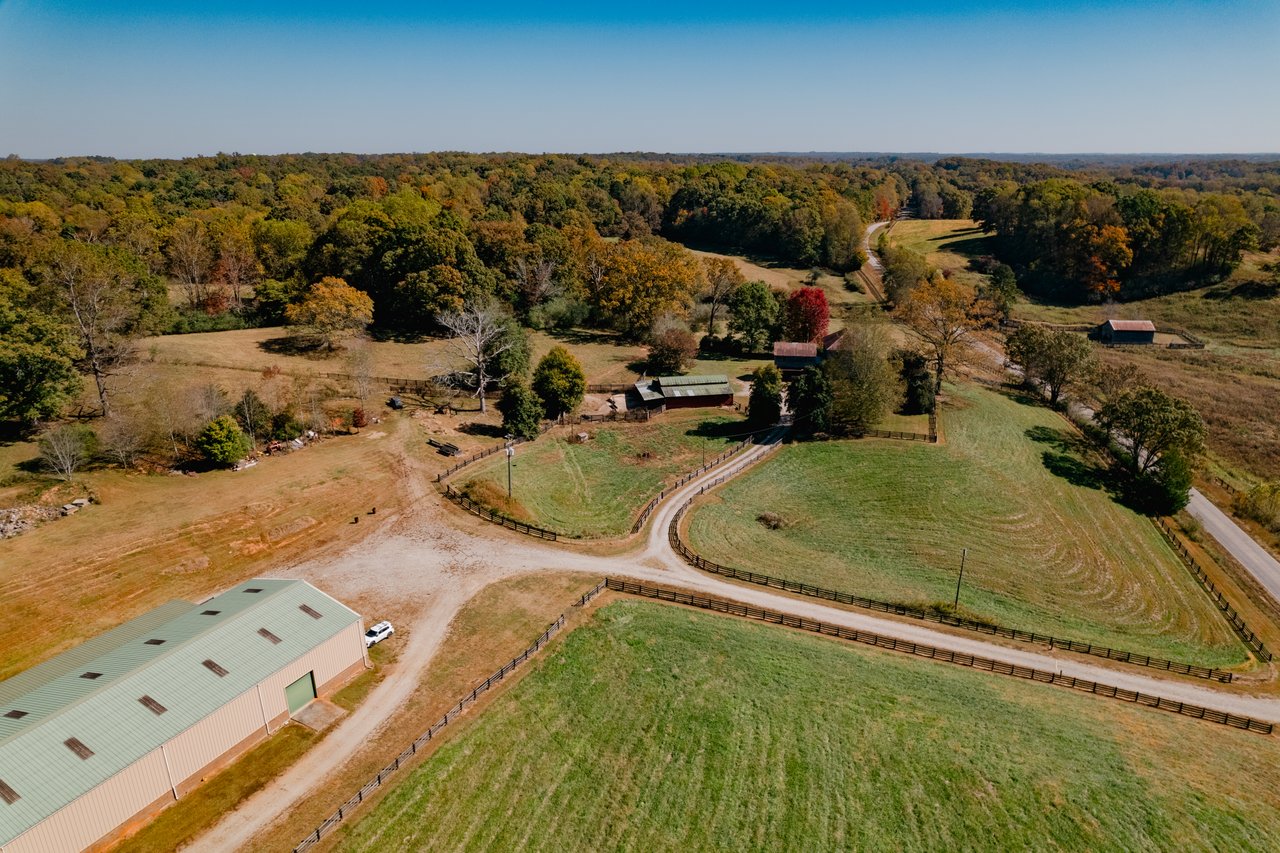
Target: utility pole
(964, 552)
(511, 451)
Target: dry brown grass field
(156, 537)
(1234, 381)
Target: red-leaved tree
(807, 315)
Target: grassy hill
(1049, 550)
(657, 728)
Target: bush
(286, 427)
(359, 419)
(672, 351)
(222, 442)
(560, 381)
(186, 322)
(521, 410)
(561, 313)
(917, 379)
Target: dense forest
(95, 252)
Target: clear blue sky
(138, 79)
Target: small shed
(794, 356)
(686, 392)
(1126, 332)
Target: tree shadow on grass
(1254, 290)
(490, 430)
(300, 346)
(724, 430)
(1074, 470)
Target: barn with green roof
(105, 734)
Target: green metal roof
(679, 381)
(104, 713)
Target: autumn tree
(190, 256)
(753, 315)
(673, 351)
(644, 279)
(807, 315)
(723, 279)
(560, 382)
(237, 267)
(480, 335)
(944, 314)
(330, 310)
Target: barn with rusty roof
(683, 392)
(101, 736)
(1126, 332)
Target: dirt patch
(284, 531)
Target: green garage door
(300, 692)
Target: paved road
(1240, 544)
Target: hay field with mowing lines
(659, 728)
(596, 489)
(1049, 550)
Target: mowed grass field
(1047, 552)
(596, 489)
(946, 244)
(656, 728)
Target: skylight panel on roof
(152, 705)
(7, 794)
(215, 668)
(309, 610)
(91, 675)
(76, 746)
(263, 632)
(15, 714)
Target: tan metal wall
(82, 822)
(136, 788)
(327, 661)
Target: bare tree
(97, 293)
(190, 258)
(64, 450)
(238, 265)
(360, 365)
(537, 280)
(723, 279)
(176, 415)
(479, 331)
(123, 436)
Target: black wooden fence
(477, 456)
(497, 518)
(426, 737)
(1233, 616)
(1121, 655)
(945, 655)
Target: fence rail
(935, 653)
(426, 737)
(1233, 616)
(678, 545)
(497, 518)
(477, 456)
(901, 436)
